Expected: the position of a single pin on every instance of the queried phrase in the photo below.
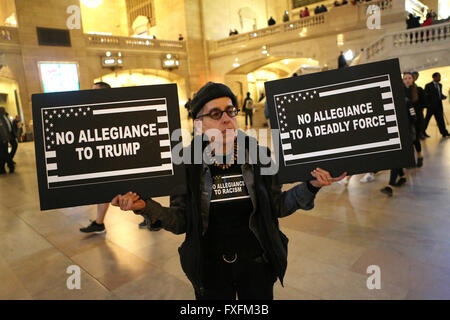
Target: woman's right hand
(128, 201)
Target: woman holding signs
(230, 212)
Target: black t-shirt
(230, 208)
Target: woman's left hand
(323, 178)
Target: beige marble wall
(110, 17)
(170, 19)
(195, 45)
(7, 8)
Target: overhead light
(109, 61)
(11, 20)
(108, 53)
(119, 54)
(236, 64)
(348, 55)
(170, 61)
(91, 3)
(340, 39)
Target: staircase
(417, 49)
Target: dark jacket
(6, 134)
(342, 62)
(433, 95)
(189, 213)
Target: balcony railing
(399, 43)
(410, 38)
(322, 19)
(276, 29)
(9, 35)
(107, 41)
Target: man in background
(435, 96)
(248, 109)
(5, 138)
(342, 62)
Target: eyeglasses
(216, 113)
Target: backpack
(248, 105)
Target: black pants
(438, 113)
(248, 279)
(420, 122)
(14, 145)
(394, 174)
(4, 157)
(249, 114)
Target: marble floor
(330, 247)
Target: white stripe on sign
(52, 166)
(228, 199)
(386, 95)
(392, 129)
(114, 173)
(157, 107)
(50, 154)
(284, 135)
(287, 146)
(162, 119)
(391, 118)
(341, 150)
(165, 155)
(389, 106)
(163, 131)
(164, 143)
(381, 84)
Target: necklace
(225, 166)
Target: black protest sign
(352, 119)
(94, 144)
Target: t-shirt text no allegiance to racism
(230, 208)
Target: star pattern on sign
(54, 121)
(284, 101)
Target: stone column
(195, 45)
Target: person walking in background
(421, 105)
(5, 138)
(411, 98)
(342, 62)
(262, 96)
(247, 107)
(415, 93)
(435, 96)
(15, 136)
(271, 21)
(286, 16)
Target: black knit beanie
(210, 91)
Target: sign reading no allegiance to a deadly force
(352, 119)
